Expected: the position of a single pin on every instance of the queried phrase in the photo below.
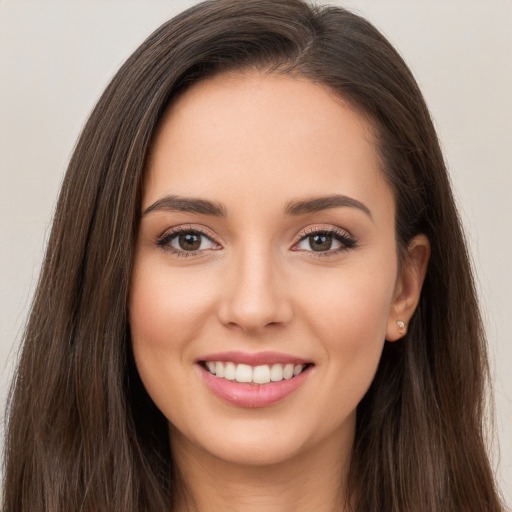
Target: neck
(311, 480)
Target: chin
(256, 454)
(247, 444)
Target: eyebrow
(186, 204)
(294, 208)
(317, 204)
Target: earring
(400, 324)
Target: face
(265, 279)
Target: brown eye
(329, 242)
(189, 241)
(320, 242)
(186, 241)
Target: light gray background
(56, 58)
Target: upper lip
(253, 359)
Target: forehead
(262, 135)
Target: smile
(261, 374)
(253, 380)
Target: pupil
(320, 242)
(189, 241)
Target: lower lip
(253, 395)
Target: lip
(252, 395)
(255, 359)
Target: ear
(408, 287)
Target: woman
(256, 293)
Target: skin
(255, 142)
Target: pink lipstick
(253, 380)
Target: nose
(255, 295)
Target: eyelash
(347, 241)
(165, 241)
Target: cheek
(165, 312)
(349, 314)
(165, 307)
(353, 300)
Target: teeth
(288, 371)
(243, 372)
(219, 369)
(261, 374)
(230, 371)
(276, 373)
(254, 374)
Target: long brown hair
(82, 433)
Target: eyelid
(322, 228)
(163, 240)
(188, 227)
(345, 237)
(347, 240)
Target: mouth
(255, 375)
(253, 380)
